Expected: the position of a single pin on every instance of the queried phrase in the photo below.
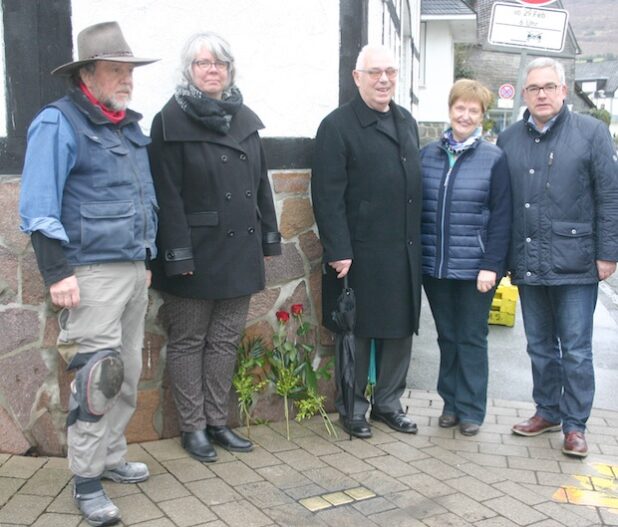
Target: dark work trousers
(203, 337)
(392, 362)
(460, 312)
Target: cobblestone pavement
(437, 478)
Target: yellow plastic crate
(504, 304)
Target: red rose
(282, 316)
(297, 310)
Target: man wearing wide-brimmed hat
(88, 202)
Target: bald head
(376, 76)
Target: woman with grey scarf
(217, 222)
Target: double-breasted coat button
(228, 196)
(251, 230)
(224, 158)
(170, 255)
(230, 234)
(248, 193)
(243, 157)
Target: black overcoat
(217, 217)
(366, 190)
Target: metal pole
(523, 60)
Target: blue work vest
(108, 204)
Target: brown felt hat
(102, 41)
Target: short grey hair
(88, 68)
(214, 43)
(360, 60)
(546, 62)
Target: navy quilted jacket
(565, 199)
(466, 219)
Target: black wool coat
(367, 199)
(217, 217)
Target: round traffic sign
(506, 91)
(536, 2)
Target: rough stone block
(269, 407)
(310, 245)
(12, 440)
(50, 440)
(263, 302)
(291, 181)
(10, 235)
(284, 268)
(262, 330)
(299, 296)
(18, 327)
(64, 384)
(296, 217)
(141, 427)
(50, 333)
(22, 376)
(151, 355)
(33, 289)
(8, 276)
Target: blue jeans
(558, 324)
(460, 312)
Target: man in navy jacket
(564, 179)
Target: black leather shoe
(396, 420)
(469, 429)
(198, 446)
(358, 427)
(447, 420)
(229, 440)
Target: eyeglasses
(375, 73)
(548, 89)
(205, 65)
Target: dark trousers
(203, 337)
(460, 312)
(392, 362)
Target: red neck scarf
(114, 116)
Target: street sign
(536, 2)
(506, 91)
(521, 26)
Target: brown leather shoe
(535, 426)
(575, 444)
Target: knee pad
(96, 385)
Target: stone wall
(430, 131)
(33, 382)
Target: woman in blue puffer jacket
(466, 225)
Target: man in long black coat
(366, 189)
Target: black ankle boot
(229, 440)
(198, 446)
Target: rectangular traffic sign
(528, 27)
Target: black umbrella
(344, 317)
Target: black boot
(224, 437)
(198, 446)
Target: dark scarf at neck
(214, 114)
(113, 115)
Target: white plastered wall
(286, 51)
(438, 66)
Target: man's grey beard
(116, 106)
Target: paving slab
(437, 478)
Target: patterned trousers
(203, 337)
